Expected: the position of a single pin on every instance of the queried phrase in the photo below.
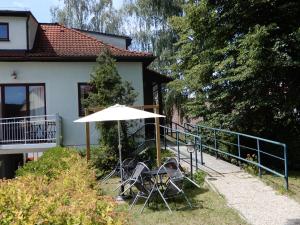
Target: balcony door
(18, 101)
(22, 100)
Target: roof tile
(58, 41)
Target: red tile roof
(58, 41)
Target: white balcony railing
(30, 130)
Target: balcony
(29, 134)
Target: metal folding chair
(175, 180)
(135, 177)
(147, 188)
(117, 169)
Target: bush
(199, 177)
(251, 168)
(51, 164)
(103, 159)
(59, 188)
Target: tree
(150, 29)
(94, 15)
(109, 89)
(240, 63)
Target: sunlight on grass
(209, 208)
(278, 184)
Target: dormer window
(4, 32)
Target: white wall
(17, 33)
(61, 79)
(115, 41)
(32, 27)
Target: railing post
(25, 131)
(286, 177)
(215, 142)
(58, 129)
(177, 142)
(191, 164)
(196, 152)
(239, 149)
(258, 158)
(185, 130)
(165, 139)
(200, 148)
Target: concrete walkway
(258, 203)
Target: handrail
(26, 117)
(237, 133)
(199, 142)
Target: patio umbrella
(118, 113)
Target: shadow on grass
(177, 203)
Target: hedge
(59, 188)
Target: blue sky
(39, 8)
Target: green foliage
(70, 197)
(109, 89)
(151, 31)
(251, 168)
(50, 164)
(103, 158)
(239, 63)
(199, 177)
(88, 14)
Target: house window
(4, 32)
(83, 92)
(18, 100)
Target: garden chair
(135, 177)
(116, 170)
(147, 188)
(175, 180)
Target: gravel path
(256, 202)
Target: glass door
(22, 100)
(15, 101)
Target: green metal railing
(214, 139)
(227, 143)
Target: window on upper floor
(4, 34)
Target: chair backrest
(175, 177)
(139, 169)
(172, 168)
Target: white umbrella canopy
(118, 112)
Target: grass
(209, 208)
(278, 184)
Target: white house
(44, 71)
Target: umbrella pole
(120, 196)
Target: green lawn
(278, 184)
(209, 209)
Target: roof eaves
(102, 33)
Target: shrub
(251, 168)
(51, 164)
(63, 191)
(103, 159)
(199, 177)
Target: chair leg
(134, 201)
(147, 200)
(108, 176)
(128, 188)
(123, 183)
(186, 198)
(165, 201)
